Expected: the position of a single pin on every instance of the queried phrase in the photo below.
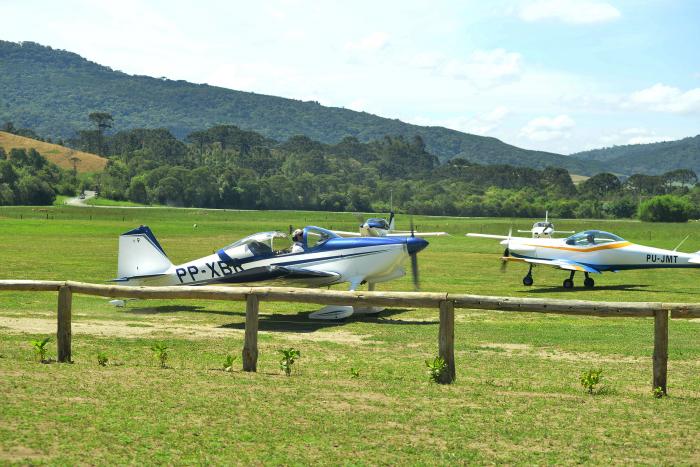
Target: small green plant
(102, 359)
(40, 349)
(658, 392)
(589, 379)
(354, 373)
(436, 368)
(289, 356)
(161, 352)
(228, 363)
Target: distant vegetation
(54, 91)
(28, 178)
(653, 159)
(227, 167)
(62, 156)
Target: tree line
(227, 167)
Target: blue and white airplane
(326, 259)
(380, 227)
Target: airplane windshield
(314, 236)
(593, 237)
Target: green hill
(651, 159)
(52, 92)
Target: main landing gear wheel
(569, 283)
(527, 280)
(588, 282)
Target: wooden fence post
(447, 340)
(63, 334)
(660, 350)
(250, 345)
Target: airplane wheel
(589, 283)
(527, 281)
(568, 284)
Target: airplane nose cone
(415, 244)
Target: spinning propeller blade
(506, 252)
(414, 271)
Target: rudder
(140, 254)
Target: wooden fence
(445, 302)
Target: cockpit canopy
(276, 243)
(542, 225)
(593, 237)
(315, 236)
(259, 244)
(377, 223)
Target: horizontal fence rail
(446, 303)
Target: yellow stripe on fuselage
(585, 250)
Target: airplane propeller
(506, 252)
(414, 262)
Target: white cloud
(662, 98)
(482, 68)
(547, 129)
(633, 136)
(478, 125)
(569, 11)
(374, 41)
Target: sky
(554, 75)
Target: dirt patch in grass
(557, 354)
(18, 453)
(105, 328)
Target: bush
(666, 208)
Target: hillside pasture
(517, 398)
(59, 155)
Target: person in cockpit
(298, 239)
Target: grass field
(517, 398)
(59, 155)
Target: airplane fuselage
(613, 256)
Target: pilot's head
(297, 235)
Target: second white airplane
(590, 252)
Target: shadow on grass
(157, 310)
(597, 288)
(300, 322)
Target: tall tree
(102, 121)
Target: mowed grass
(517, 398)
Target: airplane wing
(283, 275)
(555, 263)
(497, 237)
(405, 233)
(343, 233)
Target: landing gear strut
(569, 283)
(588, 282)
(527, 280)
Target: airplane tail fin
(391, 220)
(140, 254)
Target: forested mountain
(651, 159)
(52, 92)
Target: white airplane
(591, 251)
(379, 227)
(544, 228)
(326, 259)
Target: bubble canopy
(593, 237)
